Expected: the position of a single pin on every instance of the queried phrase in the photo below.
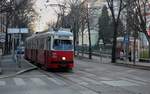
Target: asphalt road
(86, 78)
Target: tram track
(67, 80)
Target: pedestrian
(122, 55)
(18, 56)
(130, 56)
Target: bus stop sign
(126, 39)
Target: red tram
(51, 49)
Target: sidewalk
(107, 60)
(10, 67)
(0, 66)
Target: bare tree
(116, 7)
(138, 17)
(13, 11)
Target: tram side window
(36, 44)
(48, 43)
(41, 43)
(45, 44)
(31, 45)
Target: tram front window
(62, 44)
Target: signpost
(17, 31)
(126, 41)
(2, 37)
(100, 45)
(2, 40)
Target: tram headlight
(63, 58)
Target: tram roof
(59, 33)
(64, 33)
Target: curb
(122, 64)
(18, 73)
(0, 70)
(29, 63)
(33, 67)
(133, 66)
(0, 65)
(144, 60)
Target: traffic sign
(126, 39)
(2, 37)
(2, 40)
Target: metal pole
(13, 46)
(100, 53)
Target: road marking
(105, 78)
(119, 83)
(91, 80)
(2, 83)
(88, 92)
(128, 71)
(57, 81)
(140, 79)
(134, 81)
(87, 74)
(38, 81)
(19, 81)
(78, 81)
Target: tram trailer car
(51, 49)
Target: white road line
(38, 81)
(105, 78)
(141, 79)
(128, 71)
(87, 74)
(78, 81)
(57, 81)
(2, 83)
(92, 81)
(120, 83)
(135, 81)
(88, 92)
(19, 81)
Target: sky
(47, 14)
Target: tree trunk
(82, 30)
(149, 48)
(90, 47)
(77, 37)
(74, 39)
(134, 51)
(148, 39)
(6, 37)
(113, 59)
